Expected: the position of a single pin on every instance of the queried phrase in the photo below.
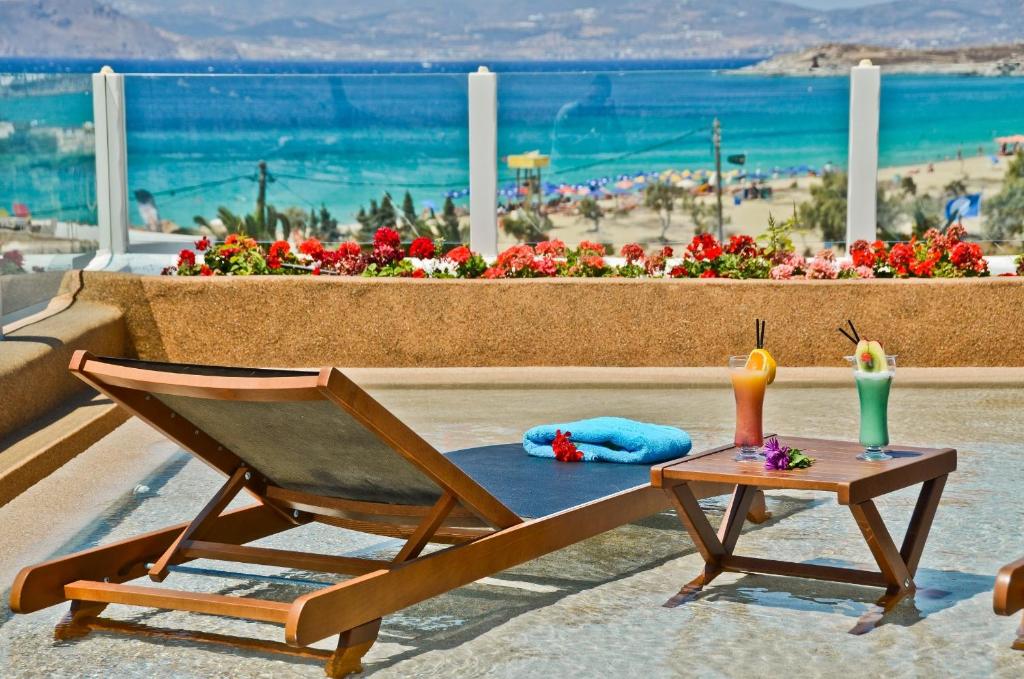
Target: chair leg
(1018, 645)
(74, 624)
(353, 644)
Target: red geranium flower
(565, 450)
(205, 271)
(923, 268)
(742, 245)
(594, 262)
(186, 258)
(494, 272)
(316, 271)
(632, 252)
(349, 249)
(704, 247)
(966, 256)
(387, 236)
(679, 271)
(551, 248)
(419, 273)
(231, 239)
(955, 234)
(279, 249)
(459, 255)
(311, 247)
(516, 258)
(900, 257)
(590, 246)
(273, 261)
(862, 254)
(710, 273)
(202, 244)
(422, 248)
(544, 267)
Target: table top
(836, 469)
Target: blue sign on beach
(963, 206)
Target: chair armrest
(1008, 597)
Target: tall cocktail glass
(748, 387)
(873, 390)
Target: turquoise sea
(341, 134)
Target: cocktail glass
(748, 387)
(873, 389)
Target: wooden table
(837, 470)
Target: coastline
(639, 224)
(836, 59)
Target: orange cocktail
(748, 386)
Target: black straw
(759, 327)
(847, 335)
(856, 335)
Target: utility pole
(716, 138)
(261, 197)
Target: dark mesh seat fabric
(534, 487)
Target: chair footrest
(156, 597)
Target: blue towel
(612, 439)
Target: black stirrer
(853, 329)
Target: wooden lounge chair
(1008, 597)
(313, 446)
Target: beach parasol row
(631, 183)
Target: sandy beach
(642, 225)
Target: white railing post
(862, 185)
(483, 162)
(111, 162)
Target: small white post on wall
(111, 161)
(862, 188)
(483, 162)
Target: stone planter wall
(313, 321)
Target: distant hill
(836, 59)
(470, 29)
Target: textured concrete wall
(308, 321)
(34, 375)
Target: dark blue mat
(534, 486)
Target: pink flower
(865, 272)
(781, 272)
(822, 268)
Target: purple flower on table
(776, 456)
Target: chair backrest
(314, 432)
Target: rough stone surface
(34, 375)
(303, 321)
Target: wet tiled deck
(593, 609)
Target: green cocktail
(873, 389)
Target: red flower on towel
(565, 450)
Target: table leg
(712, 547)
(891, 562)
(921, 522)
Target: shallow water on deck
(594, 609)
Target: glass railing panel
(619, 148)
(47, 187)
(341, 154)
(946, 146)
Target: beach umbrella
(624, 184)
